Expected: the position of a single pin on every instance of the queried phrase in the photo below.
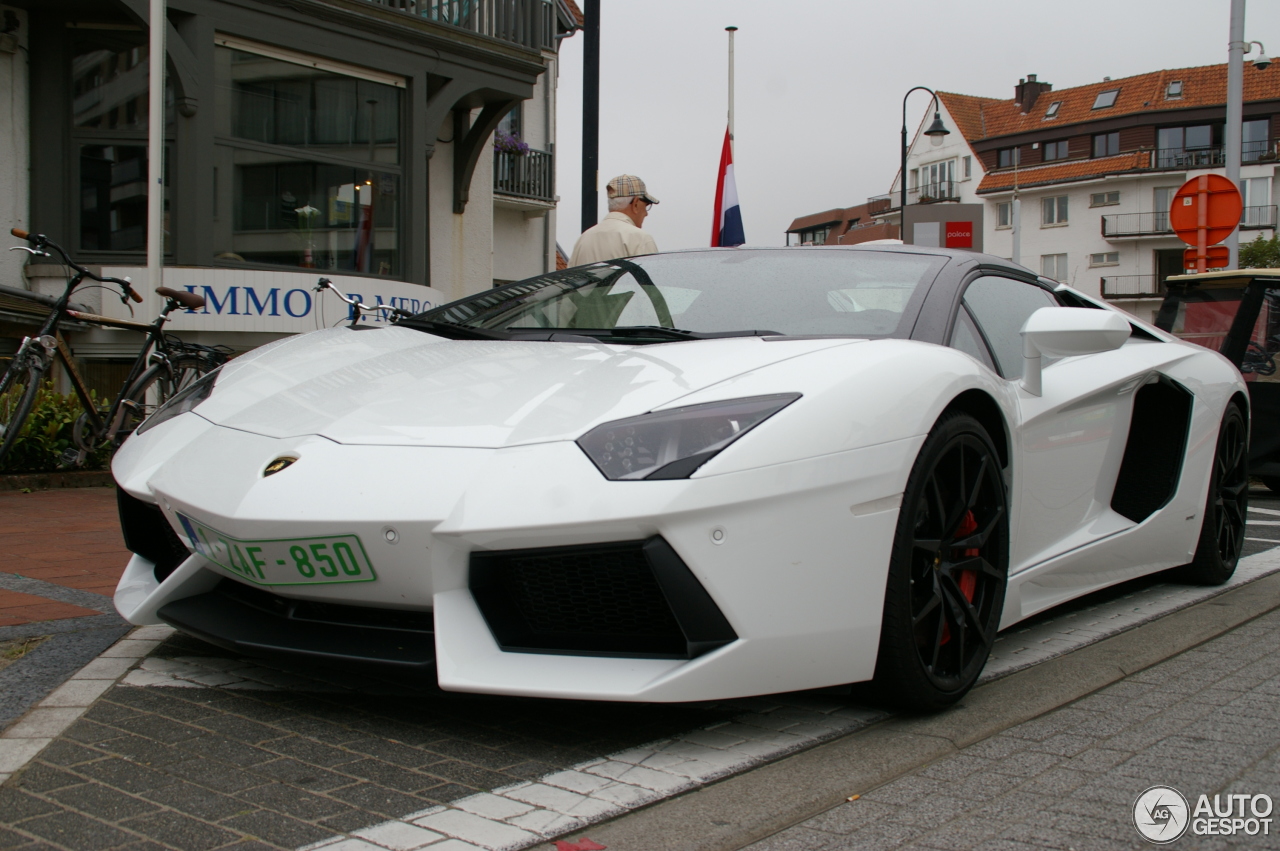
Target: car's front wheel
(948, 570)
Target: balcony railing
(1258, 217)
(1193, 158)
(527, 175)
(1263, 150)
(928, 193)
(1123, 225)
(528, 23)
(1136, 224)
(1131, 286)
(881, 204)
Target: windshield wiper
(640, 332)
(451, 330)
(626, 333)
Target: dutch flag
(727, 228)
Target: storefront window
(109, 77)
(307, 166)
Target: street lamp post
(937, 130)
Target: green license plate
(283, 561)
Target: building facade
(353, 139)
(1094, 169)
(841, 226)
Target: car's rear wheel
(947, 572)
(1222, 530)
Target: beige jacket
(616, 236)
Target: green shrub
(46, 433)
(1261, 253)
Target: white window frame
(1004, 215)
(1106, 198)
(1257, 193)
(1106, 259)
(1054, 211)
(1058, 262)
(1052, 111)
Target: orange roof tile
(1071, 170)
(986, 118)
(576, 13)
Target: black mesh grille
(147, 533)
(587, 593)
(596, 599)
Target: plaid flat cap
(628, 184)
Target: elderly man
(619, 235)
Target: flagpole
(731, 31)
(155, 146)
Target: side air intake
(1153, 456)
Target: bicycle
(164, 364)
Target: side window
(1001, 306)
(965, 338)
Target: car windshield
(790, 292)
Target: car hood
(396, 386)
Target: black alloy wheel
(1226, 510)
(948, 572)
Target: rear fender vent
(148, 533)
(636, 598)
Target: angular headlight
(672, 444)
(182, 401)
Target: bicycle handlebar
(326, 284)
(41, 242)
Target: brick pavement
(68, 536)
(1205, 722)
(63, 554)
(17, 608)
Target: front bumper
(793, 557)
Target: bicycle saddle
(190, 301)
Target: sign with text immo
(271, 302)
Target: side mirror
(1066, 331)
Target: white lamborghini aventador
(688, 476)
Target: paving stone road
(1204, 722)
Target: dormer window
(1174, 90)
(1052, 111)
(1106, 99)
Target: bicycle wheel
(155, 387)
(21, 383)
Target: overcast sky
(820, 85)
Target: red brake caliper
(968, 579)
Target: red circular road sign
(1210, 204)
